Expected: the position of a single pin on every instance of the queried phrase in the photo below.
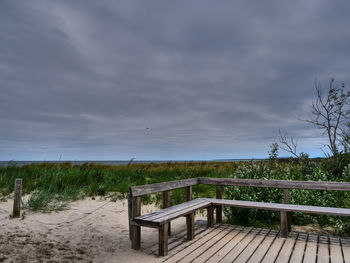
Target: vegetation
(53, 186)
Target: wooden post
(188, 193)
(166, 204)
(136, 230)
(219, 207)
(17, 199)
(163, 241)
(284, 224)
(190, 226)
(210, 216)
(129, 212)
(286, 199)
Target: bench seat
(163, 216)
(282, 207)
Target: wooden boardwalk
(227, 243)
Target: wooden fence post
(166, 204)
(129, 213)
(136, 230)
(286, 199)
(219, 207)
(17, 199)
(188, 193)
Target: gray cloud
(210, 80)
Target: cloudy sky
(107, 80)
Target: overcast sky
(107, 80)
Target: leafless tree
(288, 144)
(331, 114)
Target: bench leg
(284, 224)
(190, 226)
(163, 241)
(289, 218)
(135, 237)
(219, 214)
(210, 216)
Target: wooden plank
(312, 185)
(136, 230)
(188, 193)
(180, 253)
(163, 241)
(299, 248)
(264, 247)
(282, 207)
(335, 250)
(273, 250)
(252, 246)
(286, 249)
(230, 245)
(286, 200)
(190, 226)
(202, 249)
(129, 213)
(211, 251)
(218, 207)
(323, 249)
(311, 248)
(345, 244)
(235, 252)
(173, 208)
(160, 187)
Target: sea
(119, 162)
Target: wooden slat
(282, 207)
(252, 246)
(335, 250)
(286, 249)
(161, 187)
(233, 254)
(180, 253)
(211, 251)
(312, 185)
(264, 247)
(173, 208)
(311, 248)
(273, 250)
(323, 249)
(299, 248)
(345, 243)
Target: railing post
(219, 207)
(136, 230)
(284, 224)
(166, 204)
(188, 193)
(286, 200)
(129, 213)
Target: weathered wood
(160, 187)
(282, 207)
(218, 207)
(17, 199)
(312, 185)
(264, 247)
(190, 226)
(287, 249)
(136, 230)
(129, 213)
(210, 216)
(166, 204)
(163, 241)
(323, 249)
(188, 193)
(299, 248)
(286, 200)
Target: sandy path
(74, 235)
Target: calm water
(20, 163)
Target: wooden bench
(161, 219)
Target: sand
(89, 231)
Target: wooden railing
(137, 191)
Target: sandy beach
(89, 231)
